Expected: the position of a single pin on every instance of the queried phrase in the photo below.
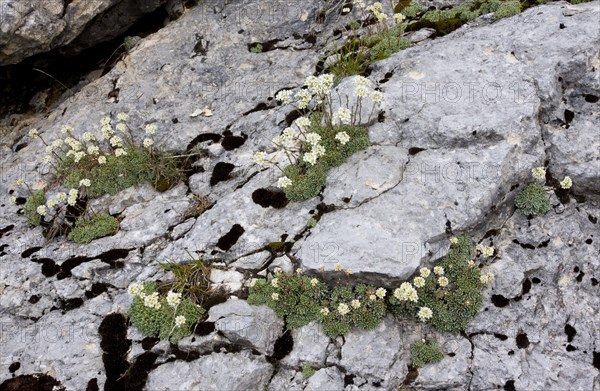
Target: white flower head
(419, 282)
(73, 193)
(488, 252)
(179, 320)
(105, 121)
(260, 158)
(47, 159)
(380, 292)
(302, 122)
(539, 173)
(121, 127)
(343, 116)
(120, 152)
(342, 137)
(41, 210)
(289, 133)
(313, 138)
(453, 240)
(85, 182)
(150, 129)
(310, 158)
(443, 281)
(93, 150)
(20, 182)
(324, 311)
(101, 159)
(152, 301)
(318, 150)
(314, 282)
(343, 309)
(376, 96)
(148, 142)
(399, 18)
(116, 141)
(483, 278)
(275, 282)
(89, 136)
(122, 117)
(33, 133)
(284, 96)
(438, 270)
(304, 97)
(355, 304)
(284, 182)
(566, 183)
(51, 203)
(338, 267)
(275, 296)
(134, 289)
(173, 298)
(66, 129)
(424, 314)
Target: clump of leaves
(425, 352)
(256, 48)
(454, 305)
(295, 298)
(36, 199)
(167, 321)
(533, 200)
(87, 229)
(307, 370)
(192, 278)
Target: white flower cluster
(485, 251)
(173, 298)
(424, 314)
(406, 292)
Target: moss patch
(88, 229)
(423, 353)
(38, 198)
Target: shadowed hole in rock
(411, 376)
(221, 173)
(348, 379)
(535, 280)
(381, 117)
(544, 244)
(230, 238)
(49, 267)
(267, 197)
(231, 142)
(569, 116)
(29, 252)
(522, 341)
(294, 115)
(97, 289)
(594, 281)
(283, 346)
(137, 374)
(34, 299)
(214, 137)
(262, 47)
(592, 219)
(115, 345)
(149, 342)
(259, 107)
(386, 77)
(35, 382)
(524, 245)
(526, 287)
(204, 328)
(92, 385)
(571, 348)
(500, 301)
(511, 352)
(596, 360)
(414, 150)
(589, 241)
(580, 276)
(591, 98)
(70, 304)
(509, 385)
(570, 331)
(7, 229)
(501, 337)
(12, 368)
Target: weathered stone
(326, 379)
(310, 346)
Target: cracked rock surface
(464, 119)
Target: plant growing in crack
(534, 199)
(323, 138)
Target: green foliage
(307, 180)
(423, 353)
(256, 48)
(507, 9)
(88, 229)
(128, 43)
(36, 199)
(312, 222)
(307, 370)
(298, 301)
(191, 278)
(351, 59)
(161, 322)
(118, 173)
(533, 201)
(387, 46)
(454, 305)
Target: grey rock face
(236, 372)
(310, 346)
(28, 28)
(241, 323)
(326, 379)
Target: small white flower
(275, 296)
(116, 141)
(483, 279)
(419, 282)
(93, 150)
(33, 133)
(150, 129)
(259, 158)
(277, 270)
(355, 304)
(122, 117)
(73, 193)
(47, 159)
(278, 140)
(134, 289)
(313, 138)
(101, 159)
(310, 158)
(488, 252)
(453, 240)
(443, 281)
(314, 282)
(284, 182)
(12, 200)
(49, 149)
(57, 143)
(121, 127)
(289, 133)
(566, 183)
(78, 156)
(380, 292)
(372, 297)
(345, 10)
(152, 301)
(348, 272)
(105, 121)
(324, 311)
(66, 129)
(89, 136)
(318, 150)
(302, 122)
(61, 196)
(51, 203)
(539, 173)
(424, 314)
(361, 91)
(173, 298)
(72, 200)
(304, 97)
(342, 137)
(120, 152)
(479, 248)
(438, 270)
(376, 96)
(20, 182)
(490, 276)
(148, 142)
(361, 81)
(41, 210)
(399, 18)
(179, 320)
(299, 271)
(343, 309)
(85, 182)
(343, 116)
(275, 282)
(284, 96)
(338, 267)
